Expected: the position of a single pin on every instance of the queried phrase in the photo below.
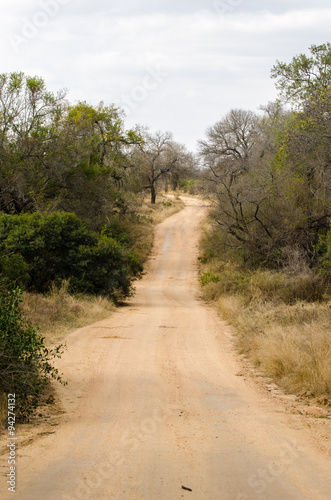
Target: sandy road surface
(154, 404)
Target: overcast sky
(173, 65)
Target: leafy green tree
(54, 156)
(308, 149)
(305, 76)
(30, 128)
(306, 84)
(99, 157)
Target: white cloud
(269, 23)
(212, 62)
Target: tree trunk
(153, 194)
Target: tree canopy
(305, 77)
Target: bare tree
(229, 153)
(157, 158)
(229, 143)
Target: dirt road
(155, 409)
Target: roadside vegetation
(25, 362)
(266, 252)
(75, 228)
(282, 323)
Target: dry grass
(282, 319)
(289, 343)
(166, 205)
(225, 278)
(58, 313)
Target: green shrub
(118, 229)
(48, 244)
(14, 269)
(25, 362)
(190, 186)
(58, 247)
(208, 277)
(106, 268)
